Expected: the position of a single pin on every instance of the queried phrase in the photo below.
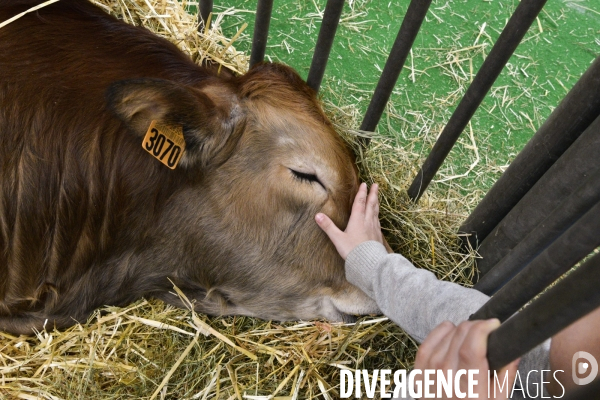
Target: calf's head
(261, 160)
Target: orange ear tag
(165, 143)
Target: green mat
(449, 49)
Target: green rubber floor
(449, 49)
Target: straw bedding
(150, 350)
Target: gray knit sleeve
(417, 301)
(411, 297)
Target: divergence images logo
(579, 367)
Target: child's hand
(363, 225)
(464, 347)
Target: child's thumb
(328, 226)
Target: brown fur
(88, 218)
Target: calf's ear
(211, 117)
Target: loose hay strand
(175, 366)
(16, 17)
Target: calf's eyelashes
(306, 177)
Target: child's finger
(438, 338)
(475, 343)
(327, 225)
(457, 342)
(372, 206)
(358, 207)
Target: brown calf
(88, 217)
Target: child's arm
(411, 297)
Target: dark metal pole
(545, 233)
(577, 163)
(572, 298)
(331, 19)
(572, 116)
(509, 39)
(261, 31)
(206, 7)
(411, 24)
(572, 246)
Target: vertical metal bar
(580, 160)
(545, 204)
(509, 39)
(572, 298)
(545, 233)
(411, 24)
(261, 31)
(573, 115)
(206, 7)
(331, 19)
(573, 245)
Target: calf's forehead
(292, 127)
(279, 138)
